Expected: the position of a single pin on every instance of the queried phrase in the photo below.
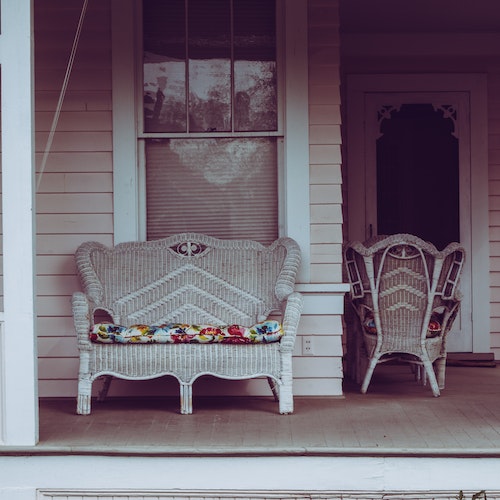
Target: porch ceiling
(422, 16)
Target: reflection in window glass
(255, 95)
(255, 101)
(209, 66)
(209, 52)
(164, 66)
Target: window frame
(128, 139)
(143, 136)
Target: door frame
(475, 86)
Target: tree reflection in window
(209, 66)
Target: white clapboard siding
(76, 182)
(321, 373)
(75, 120)
(92, 161)
(75, 190)
(74, 203)
(49, 326)
(84, 100)
(76, 141)
(325, 141)
(55, 244)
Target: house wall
(445, 52)
(75, 196)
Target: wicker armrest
(81, 317)
(291, 317)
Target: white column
(18, 357)
(296, 183)
(126, 178)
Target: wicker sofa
(187, 305)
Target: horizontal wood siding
(325, 140)
(321, 373)
(74, 197)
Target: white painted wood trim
(480, 217)
(125, 168)
(311, 474)
(323, 298)
(19, 405)
(296, 182)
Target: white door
(409, 170)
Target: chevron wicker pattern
(399, 284)
(187, 278)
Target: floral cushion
(175, 333)
(433, 330)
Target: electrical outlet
(307, 346)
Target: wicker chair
(404, 292)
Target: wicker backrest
(401, 281)
(188, 278)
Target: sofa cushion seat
(433, 329)
(176, 333)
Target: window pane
(164, 66)
(228, 49)
(223, 187)
(209, 46)
(255, 96)
(255, 104)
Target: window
(211, 127)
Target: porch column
(18, 357)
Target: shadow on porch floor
(396, 416)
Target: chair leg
(429, 369)
(441, 371)
(186, 398)
(368, 374)
(420, 373)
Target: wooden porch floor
(396, 417)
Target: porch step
(484, 359)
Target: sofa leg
(286, 396)
(186, 399)
(84, 396)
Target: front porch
(396, 441)
(397, 417)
